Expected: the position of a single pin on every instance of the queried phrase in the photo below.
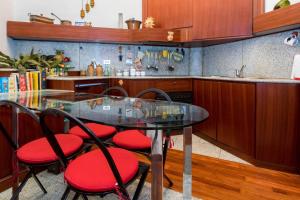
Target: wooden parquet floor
(215, 179)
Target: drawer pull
(84, 85)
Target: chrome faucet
(239, 73)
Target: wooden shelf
(276, 21)
(51, 32)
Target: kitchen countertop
(217, 78)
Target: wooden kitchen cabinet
(221, 19)
(173, 14)
(134, 86)
(93, 86)
(278, 125)
(205, 95)
(236, 116)
(231, 107)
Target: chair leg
(141, 184)
(84, 197)
(76, 197)
(38, 181)
(19, 189)
(66, 194)
(169, 180)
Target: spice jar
(99, 70)
(91, 70)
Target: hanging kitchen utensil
(120, 53)
(62, 22)
(170, 67)
(92, 3)
(87, 7)
(82, 12)
(140, 54)
(182, 51)
(176, 56)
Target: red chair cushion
(132, 140)
(39, 151)
(91, 172)
(101, 131)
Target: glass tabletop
(129, 113)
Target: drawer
(174, 85)
(90, 86)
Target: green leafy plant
(24, 62)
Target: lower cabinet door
(236, 116)
(278, 124)
(205, 95)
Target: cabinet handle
(84, 85)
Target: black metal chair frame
(142, 172)
(116, 88)
(31, 167)
(147, 152)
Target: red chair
(137, 141)
(101, 131)
(38, 153)
(98, 172)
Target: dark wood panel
(179, 13)
(219, 19)
(277, 124)
(236, 116)
(258, 7)
(206, 96)
(97, 87)
(60, 85)
(50, 32)
(173, 14)
(279, 20)
(174, 85)
(154, 35)
(79, 85)
(134, 86)
(5, 149)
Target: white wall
(6, 13)
(104, 14)
(269, 5)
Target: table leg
(187, 170)
(156, 165)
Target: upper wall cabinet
(168, 14)
(203, 20)
(222, 19)
(279, 20)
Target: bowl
(133, 24)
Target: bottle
(99, 70)
(120, 20)
(106, 65)
(91, 69)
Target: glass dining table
(152, 116)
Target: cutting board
(296, 68)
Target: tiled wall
(83, 53)
(266, 57)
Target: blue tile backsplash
(265, 56)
